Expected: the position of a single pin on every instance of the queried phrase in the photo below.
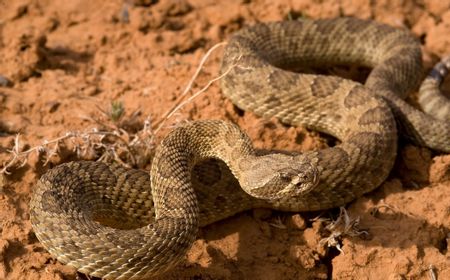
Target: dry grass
(343, 226)
(109, 140)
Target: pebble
(4, 82)
(298, 222)
(52, 106)
(91, 90)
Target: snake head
(277, 176)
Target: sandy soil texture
(91, 65)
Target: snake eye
(285, 175)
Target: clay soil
(65, 63)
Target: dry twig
(179, 103)
(341, 227)
(111, 142)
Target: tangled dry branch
(110, 141)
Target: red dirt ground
(65, 62)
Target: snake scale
(116, 223)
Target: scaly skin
(116, 223)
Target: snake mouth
(305, 181)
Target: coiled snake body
(153, 219)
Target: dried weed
(343, 226)
(110, 141)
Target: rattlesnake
(153, 226)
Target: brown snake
(111, 222)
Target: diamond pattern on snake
(162, 210)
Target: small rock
(91, 90)
(298, 222)
(440, 169)
(199, 253)
(21, 10)
(304, 256)
(52, 24)
(52, 106)
(4, 82)
(125, 14)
